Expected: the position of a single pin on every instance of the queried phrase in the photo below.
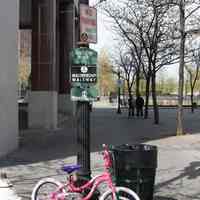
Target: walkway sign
(83, 74)
(83, 65)
(88, 22)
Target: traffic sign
(84, 37)
(120, 82)
(83, 56)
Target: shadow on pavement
(192, 171)
(106, 127)
(163, 198)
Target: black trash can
(194, 105)
(134, 167)
(23, 116)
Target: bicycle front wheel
(44, 189)
(123, 193)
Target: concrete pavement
(43, 152)
(6, 191)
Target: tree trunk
(146, 113)
(129, 93)
(192, 101)
(138, 83)
(129, 89)
(179, 130)
(154, 98)
(130, 102)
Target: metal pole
(83, 138)
(119, 108)
(83, 130)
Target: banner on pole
(88, 22)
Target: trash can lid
(135, 147)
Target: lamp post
(119, 100)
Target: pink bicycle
(50, 189)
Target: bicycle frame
(91, 184)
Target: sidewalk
(6, 192)
(42, 153)
(178, 173)
(177, 178)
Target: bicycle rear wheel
(44, 189)
(123, 193)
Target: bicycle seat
(70, 168)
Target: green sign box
(83, 74)
(88, 93)
(83, 56)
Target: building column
(43, 100)
(8, 76)
(67, 42)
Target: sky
(105, 37)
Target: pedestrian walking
(131, 106)
(139, 105)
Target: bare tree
(143, 26)
(144, 21)
(187, 11)
(193, 72)
(127, 69)
(193, 7)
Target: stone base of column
(9, 142)
(65, 105)
(43, 109)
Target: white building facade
(8, 76)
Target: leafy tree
(24, 69)
(170, 86)
(106, 78)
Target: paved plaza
(42, 152)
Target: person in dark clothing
(131, 107)
(139, 105)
